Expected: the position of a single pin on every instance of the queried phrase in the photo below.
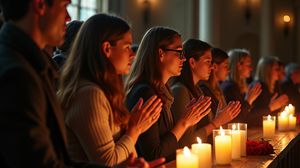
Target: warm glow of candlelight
(269, 117)
(186, 152)
(199, 140)
(286, 18)
(222, 132)
(233, 126)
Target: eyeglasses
(180, 52)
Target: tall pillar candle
(269, 126)
(222, 144)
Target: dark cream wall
(178, 14)
(232, 28)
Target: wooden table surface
(279, 142)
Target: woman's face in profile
(122, 55)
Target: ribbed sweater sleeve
(90, 120)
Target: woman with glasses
(185, 88)
(160, 57)
(236, 88)
(99, 127)
(270, 100)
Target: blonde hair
(237, 56)
(264, 71)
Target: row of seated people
(174, 91)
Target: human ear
(161, 55)
(106, 48)
(192, 62)
(39, 6)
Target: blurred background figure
(63, 51)
(291, 83)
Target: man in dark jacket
(31, 120)
(290, 85)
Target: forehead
(206, 55)
(126, 38)
(176, 42)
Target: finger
(156, 162)
(274, 96)
(148, 103)
(202, 102)
(138, 105)
(206, 112)
(191, 103)
(156, 104)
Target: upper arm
(25, 138)
(181, 100)
(89, 118)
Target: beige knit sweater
(92, 134)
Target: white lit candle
(203, 150)
(236, 143)
(290, 109)
(283, 121)
(292, 122)
(223, 148)
(186, 159)
(268, 126)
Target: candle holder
(269, 126)
(283, 121)
(185, 158)
(222, 146)
(243, 131)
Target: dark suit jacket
(31, 120)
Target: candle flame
(222, 131)
(199, 140)
(291, 116)
(233, 126)
(238, 126)
(269, 117)
(283, 114)
(186, 151)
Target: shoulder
(90, 89)
(140, 90)
(179, 89)
(227, 85)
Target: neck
(165, 78)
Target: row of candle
(285, 123)
(228, 143)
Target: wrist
(213, 124)
(183, 123)
(133, 132)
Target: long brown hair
(264, 71)
(236, 56)
(87, 61)
(218, 57)
(193, 48)
(146, 65)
